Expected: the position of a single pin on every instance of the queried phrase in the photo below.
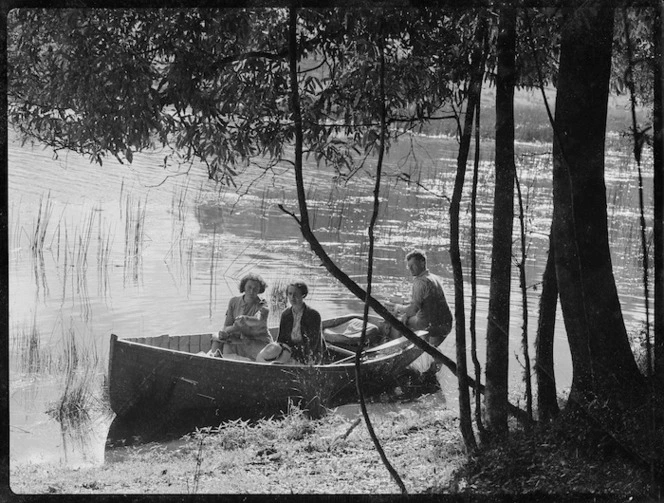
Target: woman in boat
(300, 328)
(245, 328)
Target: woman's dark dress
(312, 346)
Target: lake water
(148, 249)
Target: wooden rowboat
(161, 385)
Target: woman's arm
(229, 320)
(263, 313)
(230, 313)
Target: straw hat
(274, 352)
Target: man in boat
(428, 309)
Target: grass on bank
(295, 455)
(334, 455)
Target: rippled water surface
(151, 249)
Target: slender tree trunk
(603, 365)
(372, 225)
(547, 402)
(455, 253)
(524, 303)
(501, 259)
(658, 185)
(297, 119)
(473, 249)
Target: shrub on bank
(574, 456)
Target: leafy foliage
(121, 81)
(640, 29)
(212, 84)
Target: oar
(337, 349)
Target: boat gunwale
(402, 344)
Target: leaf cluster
(639, 61)
(197, 81)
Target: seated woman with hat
(300, 331)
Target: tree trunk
(472, 102)
(658, 183)
(603, 365)
(297, 119)
(497, 346)
(525, 346)
(547, 402)
(473, 245)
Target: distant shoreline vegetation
(530, 117)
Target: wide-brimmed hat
(274, 352)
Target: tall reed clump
(82, 241)
(81, 393)
(38, 235)
(295, 425)
(134, 234)
(182, 245)
(314, 392)
(104, 247)
(26, 343)
(277, 298)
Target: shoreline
(294, 455)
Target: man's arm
(416, 301)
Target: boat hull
(162, 382)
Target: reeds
(72, 406)
(104, 247)
(40, 228)
(80, 398)
(134, 236)
(277, 298)
(15, 234)
(181, 252)
(182, 262)
(179, 212)
(74, 360)
(315, 392)
(26, 343)
(213, 282)
(80, 365)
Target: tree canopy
(212, 84)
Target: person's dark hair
(253, 277)
(418, 254)
(301, 286)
